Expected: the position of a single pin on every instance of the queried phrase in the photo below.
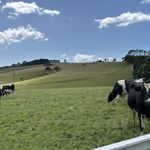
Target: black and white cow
(121, 88)
(9, 88)
(139, 101)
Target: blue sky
(76, 30)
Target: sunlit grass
(76, 118)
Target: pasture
(67, 110)
(21, 73)
(80, 75)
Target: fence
(138, 143)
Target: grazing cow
(121, 88)
(7, 89)
(139, 101)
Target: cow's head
(137, 86)
(116, 91)
(112, 96)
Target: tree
(140, 60)
(65, 61)
(56, 68)
(145, 71)
(114, 59)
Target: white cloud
(27, 8)
(20, 34)
(123, 20)
(64, 55)
(83, 58)
(50, 12)
(145, 1)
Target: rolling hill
(70, 75)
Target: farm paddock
(64, 118)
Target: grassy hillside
(71, 75)
(82, 75)
(21, 73)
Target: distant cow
(7, 89)
(139, 101)
(121, 88)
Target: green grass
(66, 109)
(70, 118)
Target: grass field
(76, 118)
(67, 110)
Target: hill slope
(21, 73)
(81, 75)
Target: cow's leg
(142, 125)
(6, 93)
(134, 116)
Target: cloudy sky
(76, 30)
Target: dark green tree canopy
(140, 59)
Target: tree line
(139, 52)
(140, 60)
(41, 61)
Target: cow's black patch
(127, 84)
(117, 90)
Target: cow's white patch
(148, 100)
(147, 86)
(139, 80)
(8, 91)
(142, 122)
(122, 83)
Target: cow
(7, 89)
(139, 101)
(121, 88)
